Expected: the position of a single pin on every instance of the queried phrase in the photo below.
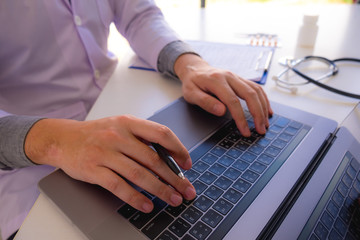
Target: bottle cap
(310, 18)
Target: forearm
(13, 131)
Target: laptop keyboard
(337, 215)
(228, 172)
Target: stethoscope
(291, 64)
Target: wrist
(187, 64)
(42, 141)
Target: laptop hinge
(284, 208)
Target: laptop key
(256, 149)
(320, 231)
(248, 157)
(187, 237)
(327, 220)
(285, 137)
(338, 198)
(272, 151)
(209, 158)
(179, 227)
(234, 136)
(347, 180)
(340, 226)
(192, 214)
(232, 173)
(191, 175)
(218, 151)
(175, 211)
(241, 165)
(226, 143)
(157, 225)
(263, 158)
(226, 160)
(222, 206)
(200, 166)
(263, 142)
(127, 211)
(279, 143)
(140, 219)
(351, 171)
(232, 195)
(282, 122)
(223, 183)
(250, 176)
(203, 203)
(242, 145)
(199, 187)
(258, 167)
(333, 209)
(295, 124)
(354, 194)
(213, 192)
(234, 153)
(166, 235)
(345, 215)
(241, 185)
(334, 235)
(217, 169)
(200, 231)
(208, 178)
(212, 218)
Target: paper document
(246, 61)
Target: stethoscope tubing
(316, 82)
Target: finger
(149, 158)
(143, 178)
(227, 95)
(265, 101)
(157, 133)
(120, 188)
(204, 100)
(254, 97)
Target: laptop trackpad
(190, 123)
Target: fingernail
(217, 109)
(247, 132)
(190, 193)
(176, 199)
(147, 207)
(188, 163)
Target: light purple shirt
(54, 62)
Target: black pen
(165, 156)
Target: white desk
(141, 93)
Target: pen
(165, 156)
(268, 60)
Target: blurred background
(212, 3)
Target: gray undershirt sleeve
(169, 54)
(13, 131)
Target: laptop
(300, 180)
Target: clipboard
(247, 61)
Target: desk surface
(338, 36)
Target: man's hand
(216, 90)
(110, 150)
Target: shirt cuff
(13, 131)
(169, 54)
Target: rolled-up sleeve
(13, 131)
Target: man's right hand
(106, 151)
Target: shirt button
(97, 74)
(77, 20)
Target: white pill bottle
(308, 31)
